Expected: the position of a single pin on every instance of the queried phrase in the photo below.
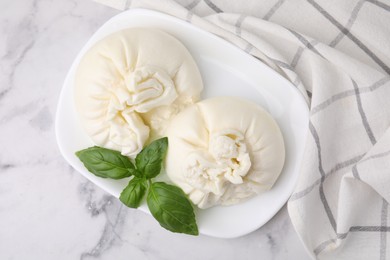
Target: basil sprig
(167, 203)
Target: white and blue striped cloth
(337, 53)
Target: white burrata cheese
(129, 85)
(224, 150)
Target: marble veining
(114, 214)
(48, 210)
(26, 29)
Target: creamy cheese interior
(130, 84)
(223, 151)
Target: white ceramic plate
(227, 71)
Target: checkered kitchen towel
(337, 53)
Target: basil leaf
(170, 207)
(150, 159)
(106, 163)
(133, 194)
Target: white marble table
(49, 211)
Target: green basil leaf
(171, 208)
(106, 163)
(149, 160)
(133, 194)
(137, 173)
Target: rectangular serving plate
(226, 71)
